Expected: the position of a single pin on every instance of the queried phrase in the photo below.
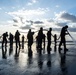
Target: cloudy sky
(26, 14)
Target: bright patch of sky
(26, 14)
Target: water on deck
(52, 64)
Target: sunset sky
(26, 14)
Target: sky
(32, 14)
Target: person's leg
(65, 49)
(2, 43)
(6, 43)
(16, 45)
(60, 46)
(64, 43)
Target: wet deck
(53, 64)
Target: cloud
(15, 20)
(38, 22)
(13, 7)
(50, 20)
(32, 2)
(26, 27)
(66, 16)
(32, 21)
(38, 26)
(57, 6)
(29, 14)
(60, 24)
(0, 8)
(72, 29)
(15, 25)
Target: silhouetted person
(11, 40)
(55, 41)
(23, 42)
(49, 34)
(17, 39)
(44, 42)
(4, 40)
(40, 39)
(30, 40)
(63, 40)
(37, 42)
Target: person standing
(63, 33)
(4, 40)
(11, 40)
(30, 38)
(17, 38)
(23, 42)
(55, 41)
(30, 41)
(49, 34)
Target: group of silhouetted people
(40, 38)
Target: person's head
(41, 29)
(29, 30)
(55, 35)
(50, 29)
(10, 33)
(66, 26)
(17, 30)
(6, 32)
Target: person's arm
(59, 36)
(67, 33)
(52, 35)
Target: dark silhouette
(11, 40)
(40, 62)
(11, 43)
(63, 64)
(63, 40)
(29, 61)
(23, 42)
(30, 38)
(44, 43)
(30, 41)
(30, 52)
(10, 51)
(17, 52)
(48, 49)
(49, 34)
(17, 39)
(37, 43)
(39, 40)
(4, 51)
(55, 41)
(4, 40)
(49, 61)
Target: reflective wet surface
(44, 64)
